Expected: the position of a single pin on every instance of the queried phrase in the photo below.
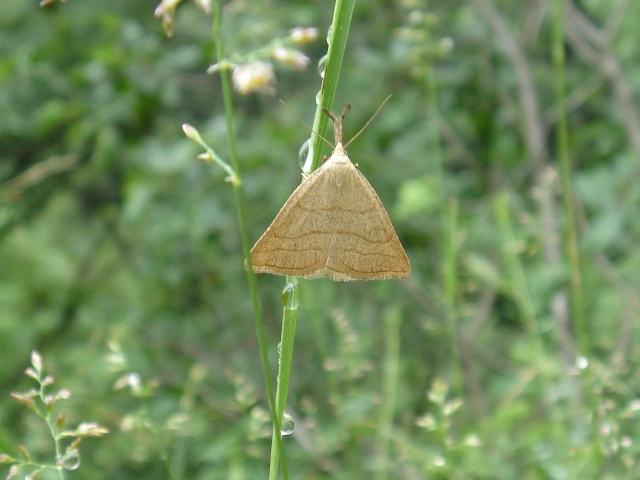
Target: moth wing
(296, 242)
(365, 245)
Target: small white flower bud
(291, 57)
(166, 6)
(204, 5)
(302, 35)
(254, 77)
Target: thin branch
(534, 138)
(595, 47)
(532, 129)
(467, 345)
(545, 194)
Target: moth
(333, 225)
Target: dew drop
(582, 362)
(70, 461)
(303, 153)
(290, 296)
(329, 32)
(288, 425)
(322, 66)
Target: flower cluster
(257, 74)
(43, 403)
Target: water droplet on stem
(322, 66)
(70, 461)
(288, 425)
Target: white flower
(254, 77)
(291, 57)
(302, 35)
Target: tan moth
(333, 225)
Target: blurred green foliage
(120, 259)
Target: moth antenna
(329, 114)
(366, 124)
(337, 122)
(305, 124)
(346, 110)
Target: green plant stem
(571, 236)
(448, 221)
(336, 46)
(449, 225)
(244, 233)
(177, 465)
(516, 280)
(579, 320)
(391, 366)
(56, 441)
(520, 292)
(52, 429)
(342, 14)
(290, 300)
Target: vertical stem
(337, 45)
(517, 281)
(244, 233)
(520, 291)
(389, 387)
(448, 223)
(178, 461)
(571, 238)
(290, 300)
(51, 426)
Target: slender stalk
(290, 300)
(516, 278)
(178, 462)
(449, 225)
(448, 220)
(571, 236)
(244, 233)
(52, 430)
(336, 46)
(391, 366)
(520, 291)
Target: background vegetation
(502, 356)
